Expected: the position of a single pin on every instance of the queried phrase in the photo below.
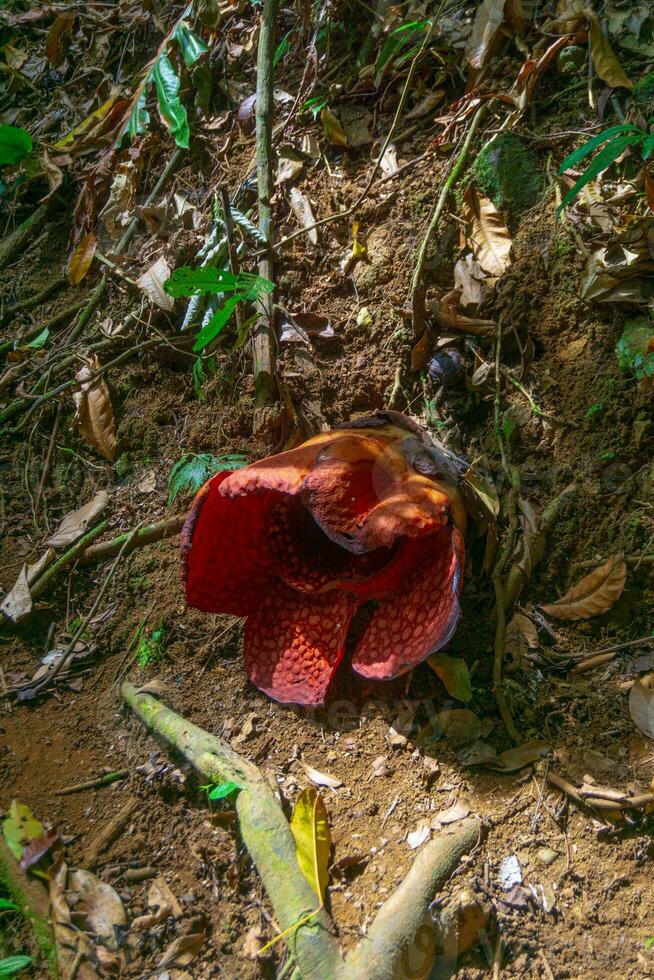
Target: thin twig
(106, 780)
(48, 458)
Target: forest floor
(581, 903)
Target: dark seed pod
(446, 368)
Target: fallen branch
(267, 836)
(263, 341)
(134, 539)
(106, 780)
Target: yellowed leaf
(310, 829)
(594, 594)
(487, 233)
(332, 128)
(605, 61)
(81, 258)
(94, 412)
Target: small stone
(546, 855)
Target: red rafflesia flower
(298, 542)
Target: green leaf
(648, 147)
(6, 906)
(596, 141)
(40, 340)
(191, 45)
(202, 369)
(20, 827)
(193, 282)
(310, 829)
(453, 671)
(171, 110)
(191, 471)
(396, 40)
(600, 162)
(282, 49)
(217, 323)
(14, 964)
(222, 790)
(139, 118)
(15, 143)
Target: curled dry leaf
(641, 707)
(321, 778)
(94, 412)
(81, 258)
(594, 594)
(301, 208)
(332, 128)
(152, 283)
(18, 603)
(487, 233)
(75, 524)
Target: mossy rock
(509, 174)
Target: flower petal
(294, 642)
(364, 495)
(225, 559)
(284, 472)
(409, 625)
(306, 559)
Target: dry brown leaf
(100, 905)
(94, 412)
(485, 32)
(182, 951)
(487, 233)
(152, 283)
(594, 594)
(81, 258)
(321, 778)
(75, 524)
(17, 604)
(641, 707)
(332, 128)
(301, 208)
(605, 62)
(69, 940)
(61, 29)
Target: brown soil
(589, 911)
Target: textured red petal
(225, 559)
(411, 624)
(284, 472)
(294, 642)
(364, 495)
(306, 559)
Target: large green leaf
(15, 143)
(191, 45)
(217, 323)
(14, 964)
(453, 671)
(139, 117)
(194, 282)
(600, 162)
(592, 144)
(171, 110)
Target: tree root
(17, 241)
(268, 838)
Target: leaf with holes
(310, 829)
(594, 594)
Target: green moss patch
(509, 174)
